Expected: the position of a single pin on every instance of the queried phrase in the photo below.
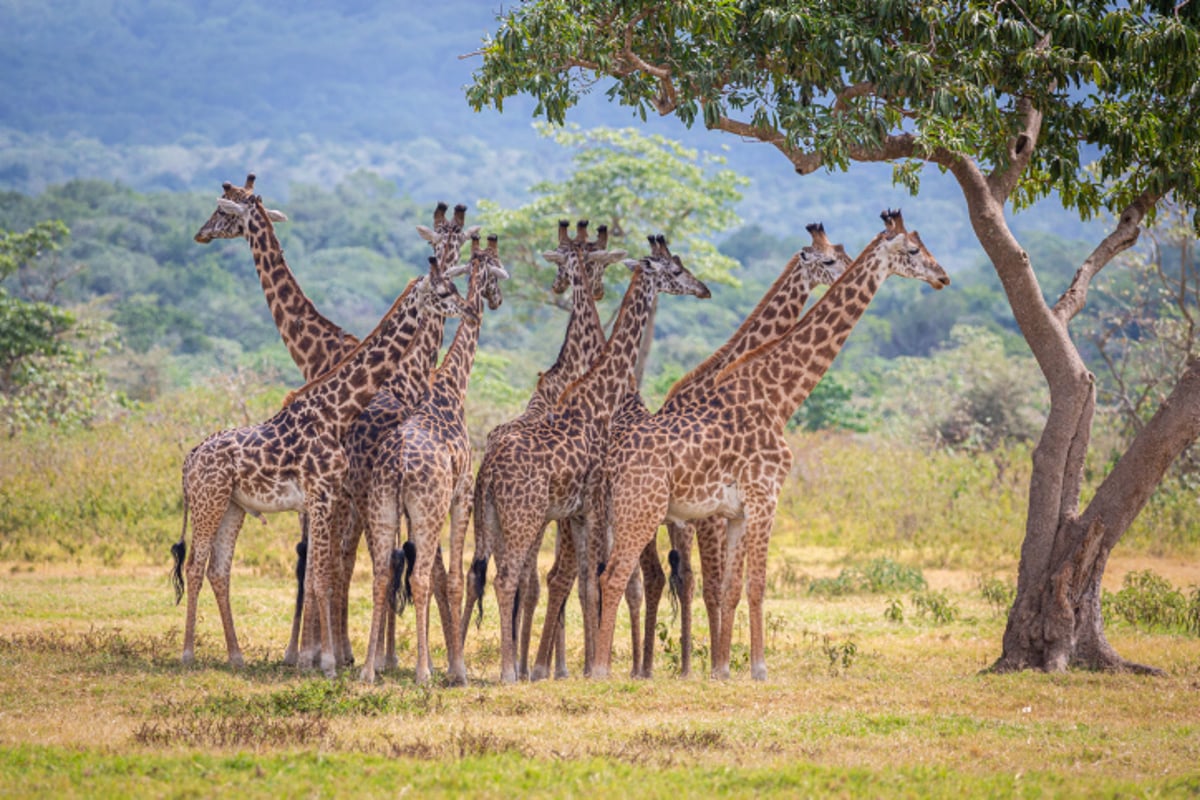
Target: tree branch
(1124, 236)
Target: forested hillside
(180, 96)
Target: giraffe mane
(733, 366)
(295, 394)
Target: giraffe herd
(375, 442)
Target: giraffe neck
(339, 396)
(779, 376)
(597, 394)
(582, 344)
(774, 315)
(451, 379)
(314, 343)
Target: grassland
(875, 686)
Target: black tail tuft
(396, 598)
(479, 576)
(675, 581)
(410, 554)
(301, 569)
(179, 553)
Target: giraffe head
(447, 235)
(234, 207)
(580, 254)
(822, 262)
(904, 254)
(666, 272)
(440, 296)
(485, 263)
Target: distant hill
(180, 96)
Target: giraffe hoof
(290, 658)
(367, 675)
(236, 661)
(599, 673)
(759, 672)
(720, 673)
(539, 673)
(189, 658)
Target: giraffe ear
(427, 234)
(500, 272)
(276, 216)
(456, 270)
(554, 257)
(631, 263)
(230, 206)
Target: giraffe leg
(710, 541)
(528, 595)
(204, 532)
(324, 566)
(291, 656)
(341, 598)
(731, 591)
(558, 588)
(634, 592)
(758, 534)
(616, 576)
(220, 565)
(460, 514)
(380, 539)
(438, 580)
(422, 579)
(653, 581)
(505, 584)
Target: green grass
(94, 702)
(890, 575)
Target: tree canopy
(1018, 99)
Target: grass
(890, 575)
(855, 705)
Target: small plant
(936, 606)
(998, 594)
(775, 624)
(894, 612)
(1148, 600)
(875, 577)
(840, 654)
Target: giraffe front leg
(758, 538)
(731, 592)
(220, 565)
(460, 514)
(558, 588)
(653, 581)
(633, 600)
(324, 565)
(506, 591)
(710, 541)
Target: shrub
(1148, 600)
(879, 576)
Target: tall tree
(1010, 98)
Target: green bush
(878, 576)
(1148, 600)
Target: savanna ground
(889, 581)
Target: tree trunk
(1056, 622)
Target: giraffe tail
(179, 553)
(301, 566)
(484, 520)
(395, 593)
(675, 581)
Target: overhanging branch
(1124, 236)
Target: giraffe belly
(270, 500)
(724, 501)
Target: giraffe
(820, 263)
(292, 462)
(315, 343)
(817, 264)
(422, 473)
(580, 266)
(397, 398)
(545, 472)
(723, 452)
